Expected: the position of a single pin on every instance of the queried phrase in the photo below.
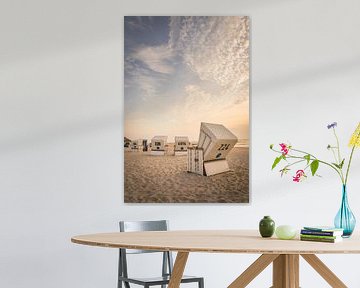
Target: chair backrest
(137, 226)
(133, 226)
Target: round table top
(217, 241)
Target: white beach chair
(158, 145)
(209, 157)
(181, 145)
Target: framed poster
(186, 99)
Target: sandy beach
(163, 179)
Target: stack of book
(321, 234)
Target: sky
(181, 71)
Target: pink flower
(284, 148)
(300, 174)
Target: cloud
(136, 23)
(199, 101)
(199, 73)
(216, 49)
(147, 68)
(140, 79)
(203, 105)
(156, 58)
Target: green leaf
(336, 165)
(271, 146)
(307, 157)
(339, 166)
(342, 163)
(314, 167)
(276, 161)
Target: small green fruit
(285, 232)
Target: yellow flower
(355, 138)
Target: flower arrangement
(293, 156)
(344, 219)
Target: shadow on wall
(87, 126)
(68, 24)
(309, 75)
(115, 120)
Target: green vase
(266, 227)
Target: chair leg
(119, 270)
(201, 283)
(126, 284)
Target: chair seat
(158, 280)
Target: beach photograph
(186, 103)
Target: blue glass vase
(345, 219)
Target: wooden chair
(167, 262)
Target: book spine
(317, 239)
(318, 236)
(320, 233)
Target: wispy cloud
(215, 48)
(201, 104)
(136, 23)
(157, 58)
(142, 80)
(147, 68)
(196, 70)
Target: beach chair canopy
(216, 141)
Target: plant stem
(348, 168)
(304, 152)
(338, 146)
(323, 162)
(313, 158)
(296, 162)
(338, 149)
(333, 152)
(339, 171)
(350, 159)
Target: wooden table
(284, 254)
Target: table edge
(203, 250)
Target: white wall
(61, 119)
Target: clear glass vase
(345, 219)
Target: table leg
(286, 271)
(253, 270)
(324, 271)
(178, 269)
